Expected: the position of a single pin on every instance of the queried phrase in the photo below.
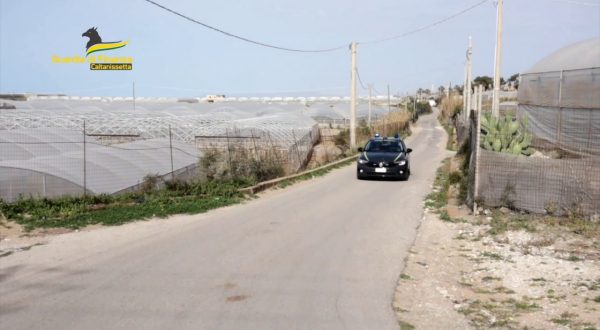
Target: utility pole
(480, 98)
(464, 92)
(369, 118)
(353, 98)
(389, 100)
(498, 59)
(469, 79)
(414, 116)
(134, 95)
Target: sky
(176, 58)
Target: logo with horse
(95, 43)
(101, 61)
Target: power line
(426, 26)
(360, 80)
(583, 3)
(243, 38)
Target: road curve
(322, 254)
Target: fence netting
(53, 161)
(562, 176)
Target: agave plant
(505, 134)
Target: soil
(13, 238)
(467, 274)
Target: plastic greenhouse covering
(561, 97)
(53, 162)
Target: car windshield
(383, 146)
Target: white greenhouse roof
(153, 119)
(581, 55)
(28, 143)
(109, 169)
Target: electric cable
(229, 34)
(360, 80)
(425, 27)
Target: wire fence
(559, 176)
(53, 162)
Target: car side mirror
(408, 151)
(360, 149)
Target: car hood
(384, 156)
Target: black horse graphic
(95, 39)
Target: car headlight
(362, 161)
(400, 162)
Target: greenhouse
(42, 150)
(560, 97)
(55, 162)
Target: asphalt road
(322, 254)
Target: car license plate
(380, 170)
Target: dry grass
(397, 122)
(449, 105)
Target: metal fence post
(84, 162)
(559, 126)
(477, 150)
(171, 150)
(228, 150)
(297, 150)
(256, 155)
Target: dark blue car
(384, 158)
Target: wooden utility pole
(389, 100)
(498, 59)
(469, 79)
(464, 92)
(369, 118)
(353, 98)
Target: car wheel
(405, 176)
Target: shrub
(150, 183)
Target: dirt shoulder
(501, 269)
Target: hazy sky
(174, 57)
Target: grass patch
(445, 216)
(176, 197)
(565, 318)
(405, 325)
(438, 198)
(492, 313)
(502, 223)
(77, 212)
(503, 289)
(449, 128)
(492, 255)
(405, 276)
(596, 299)
(491, 278)
(526, 306)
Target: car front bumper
(391, 171)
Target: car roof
(391, 138)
